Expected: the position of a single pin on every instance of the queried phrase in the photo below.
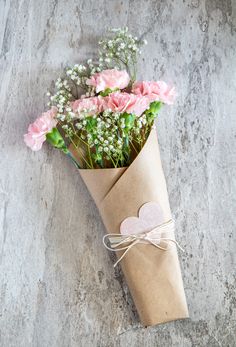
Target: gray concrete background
(57, 284)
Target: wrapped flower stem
(153, 275)
(109, 134)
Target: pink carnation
(37, 131)
(109, 79)
(155, 91)
(125, 102)
(93, 105)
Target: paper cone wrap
(153, 275)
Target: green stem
(80, 153)
(80, 139)
(133, 147)
(90, 158)
(114, 164)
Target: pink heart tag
(150, 216)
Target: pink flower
(109, 79)
(37, 131)
(93, 105)
(155, 91)
(125, 102)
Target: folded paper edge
(114, 175)
(95, 173)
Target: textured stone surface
(57, 284)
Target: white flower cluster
(76, 73)
(104, 136)
(61, 99)
(79, 74)
(107, 136)
(121, 50)
(117, 52)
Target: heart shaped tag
(150, 216)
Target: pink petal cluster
(37, 131)
(125, 102)
(94, 105)
(155, 91)
(109, 79)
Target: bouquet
(103, 119)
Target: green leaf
(56, 140)
(155, 107)
(129, 120)
(97, 157)
(153, 111)
(108, 91)
(91, 124)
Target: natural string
(153, 237)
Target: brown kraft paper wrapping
(153, 275)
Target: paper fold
(153, 276)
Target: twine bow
(161, 235)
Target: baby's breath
(121, 51)
(106, 138)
